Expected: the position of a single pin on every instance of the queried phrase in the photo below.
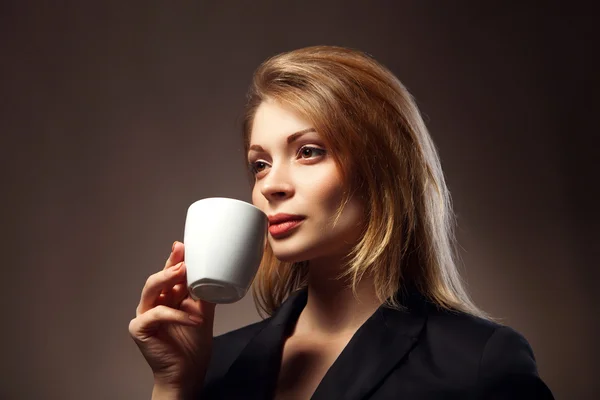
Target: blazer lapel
(380, 344)
(253, 374)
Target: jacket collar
(380, 344)
(253, 375)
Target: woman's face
(296, 175)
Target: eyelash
(252, 165)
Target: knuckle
(160, 311)
(150, 280)
(133, 326)
(165, 312)
(155, 279)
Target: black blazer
(420, 353)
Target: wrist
(160, 392)
(166, 391)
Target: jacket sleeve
(508, 370)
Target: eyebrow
(290, 139)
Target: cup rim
(228, 199)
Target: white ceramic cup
(224, 243)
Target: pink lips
(282, 223)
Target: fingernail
(173, 247)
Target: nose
(277, 185)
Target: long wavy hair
(385, 155)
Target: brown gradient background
(115, 117)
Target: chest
(304, 363)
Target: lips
(283, 223)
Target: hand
(173, 331)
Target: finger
(173, 259)
(157, 283)
(145, 325)
(178, 294)
(173, 297)
(200, 308)
(176, 256)
(165, 298)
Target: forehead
(273, 122)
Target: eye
(257, 166)
(310, 152)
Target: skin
(174, 332)
(290, 179)
(302, 178)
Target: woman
(358, 278)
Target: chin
(288, 251)
(289, 256)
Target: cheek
(256, 197)
(326, 191)
(328, 194)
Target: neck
(332, 308)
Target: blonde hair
(385, 155)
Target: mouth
(281, 224)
